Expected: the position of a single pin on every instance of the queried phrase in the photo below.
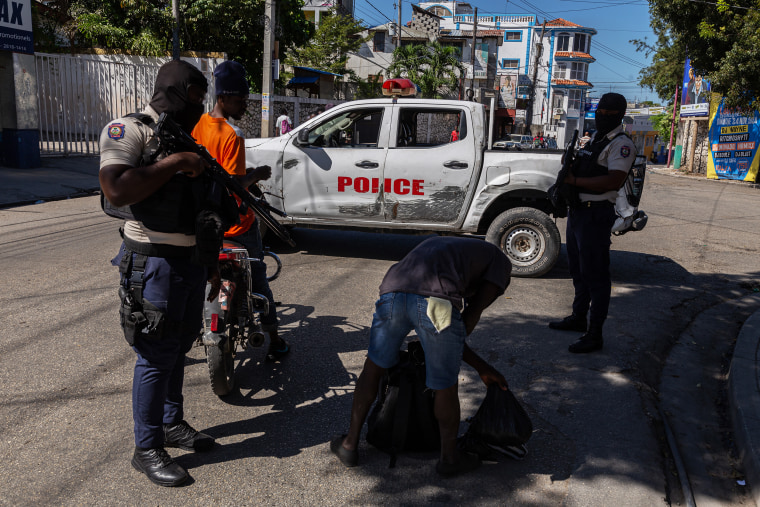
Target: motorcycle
(232, 320)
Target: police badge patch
(625, 151)
(116, 130)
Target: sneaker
(183, 435)
(158, 466)
(570, 323)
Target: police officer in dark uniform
(162, 281)
(600, 169)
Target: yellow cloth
(439, 312)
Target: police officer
(600, 169)
(163, 285)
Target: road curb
(744, 398)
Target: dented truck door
(337, 173)
(430, 164)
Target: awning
(304, 80)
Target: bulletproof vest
(170, 209)
(586, 164)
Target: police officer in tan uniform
(600, 170)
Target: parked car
(506, 143)
(524, 141)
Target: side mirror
(303, 137)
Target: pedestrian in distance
(284, 123)
(226, 143)
(162, 284)
(600, 169)
(440, 290)
(583, 140)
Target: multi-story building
(315, 9)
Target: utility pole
(266, 84)
(175, 31)
(398, 26)
(539, 51)
(471, 94)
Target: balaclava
(605, 123)
(170, 93)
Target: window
(563, 42)
(560, 70)
(558, 100)
(512, 36)
(574, 100)
(507, 63)
(439, 10)
(579, 70)
(455, 45)
(426, 128)
(378, 42)
(580, 43)
(358, 128)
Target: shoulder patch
(625, 151)
(116, 130)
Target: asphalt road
(66, 370)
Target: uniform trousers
(177, 287)
(588, 253)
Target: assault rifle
(173, 139)
(562, 195)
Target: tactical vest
(170, 209)
(586, 165)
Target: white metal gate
(79, 94)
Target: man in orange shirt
(226, 143)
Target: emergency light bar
(399, 88)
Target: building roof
(562, 22)
(309, 69)
(573, 54)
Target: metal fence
(78, 95)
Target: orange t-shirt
(228, 148)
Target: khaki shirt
(616, 156)
(128, 141)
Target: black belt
(593, 204)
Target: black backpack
(403, 417)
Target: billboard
(695, 93)
(507, 88)
(589, 108)
(734, 136)
(16, 26)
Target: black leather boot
(186, 437)
(589, 342)
(572, 322)
(160, 468)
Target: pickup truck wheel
(529, 238)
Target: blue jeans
(396, 314)
(251, 240)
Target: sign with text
(695, 94)
(16, 26)
(734, 138)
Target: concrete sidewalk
(68, 177)
(57, 178)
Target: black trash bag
(500, 424)
(403, 418)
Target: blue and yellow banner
(734, 138)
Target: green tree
(723, 41)
(669, 55)
(328, 49)
(662, 123)
(433, 67)
(145, 27)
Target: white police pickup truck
(392, 164)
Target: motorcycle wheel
(221, 368)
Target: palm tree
(433, 67)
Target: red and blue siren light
(399, 87)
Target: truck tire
(221, 368)
(529, 238)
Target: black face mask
(170, 93)
(606, 123)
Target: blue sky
(617, 63)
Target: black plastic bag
(403, 418)
(500, 422)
